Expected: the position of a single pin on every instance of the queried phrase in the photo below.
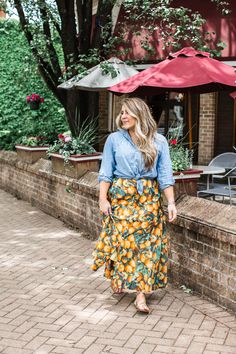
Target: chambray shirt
(122, 159)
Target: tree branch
(68, 31)
(48, 38)
(52, 80)
(84, 15)
(54, 21)
(103, 15)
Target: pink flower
(61, 136)
(173, 142)
(34, 97)
(67, 139)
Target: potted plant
(32, 148)
(185, 176)
(74, 156)
(34, 100)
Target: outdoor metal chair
(228, 161)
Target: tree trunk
(79, 106)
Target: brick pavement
(51, 302)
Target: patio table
(209, 170)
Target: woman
(133, 243)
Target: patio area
(220, 178)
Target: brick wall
(207, 117)
(103, 111)
(103, 118)
(203, 249)
(203, 245)
(73, 201)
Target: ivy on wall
(19, 78)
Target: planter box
(34, 105)
(186, 182)
(2, 14)
(31, 154)
(78, 164)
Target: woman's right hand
(105, 206)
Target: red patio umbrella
(187, 70)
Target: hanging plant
(34, 101)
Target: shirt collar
(125, 133)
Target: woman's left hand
(172, 212)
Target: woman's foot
(140, 303)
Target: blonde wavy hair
(145, 128)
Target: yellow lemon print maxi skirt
(133, 243)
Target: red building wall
(223, 26)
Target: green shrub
(19, 78)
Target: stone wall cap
(209, 213)
(89, 179)
(9, 156)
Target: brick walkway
(50, 301)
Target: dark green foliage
(19, 78)
(39, 140)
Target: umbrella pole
(112, 111)
(190, 120)
(234, 124)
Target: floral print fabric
(133, 243)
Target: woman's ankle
(141, 296)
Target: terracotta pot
(186, 182)
(77, 166)
(2, 13)
(31, 154)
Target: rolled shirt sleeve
(164, 166)
(108, 162)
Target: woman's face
(128, 122)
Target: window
(225, 129)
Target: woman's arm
(164, 166)
(166, 180)
(106, 175)
(169, 194)
(104, 204)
